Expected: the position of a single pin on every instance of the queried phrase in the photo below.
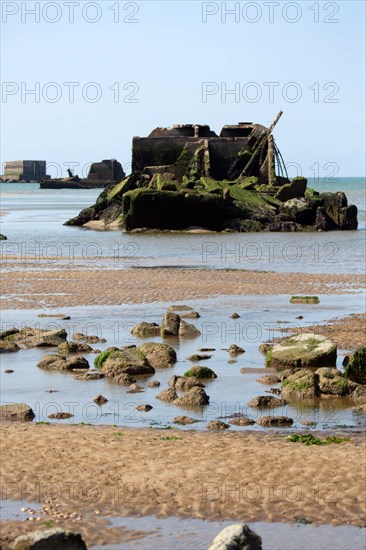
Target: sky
(80, 78)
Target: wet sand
(247, 476)
(69, 287)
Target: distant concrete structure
(107, 170)
(25, 170)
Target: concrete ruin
(187, 176)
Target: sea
(32, 220)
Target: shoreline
(63, 286)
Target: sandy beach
(119, 471)
(67, 287)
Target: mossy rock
(304, 350)
(120, 188)
(146, 330)
(356, 369)
(304, 300)
(303, 384)
(102, 357)
(126, 361)
(158, 355)
(200, 372)
(332, 382)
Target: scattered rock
(308, 423)
(8, 371)
(167, 395)
(184, 383)
(231, 361)
(299, 317)
(197, 357)
(195, 397)
(265, 347)
(57, 539)
(303, 384)
(187, 330)
(9, 332)
(16, 412)
(124, 361)
(153, 384)
(180, 308)
(92, 375)
(235, 316)
(360, 408)
(241, 421)
(275, 421)
(7, 346)
(302, 351)
(135, 388)
(235, 350)
(100, 400)
(237, 537)
(66, 348)
(33, 338)
(356, 369)
(332, 382)
(144, 408)
(207, 349)
(55, 362)
(304, 300)
(89, 339)
(266, 401)
(146, 330)
(184, 420)
(3, 237)
(217, 425)
(269, 379)
(200, 372)
(191, 315)
(159, 355)
(124, 379)
(170, 324)
(60, 415)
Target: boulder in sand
(237, 537)
(16, 412)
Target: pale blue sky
(169, 53)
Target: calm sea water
(33, 221)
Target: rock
(3, 237)
(55, 539)
(180, 308)
(183, 383)
(32, 338)
(235, 350)
(241, 421)
(196, 357)
(304, 300)
(356, 369)
(299, 317)
(55, 362)
(266, 401)
(159, 355)
(89, 339)
(167, 395)
(332, 382)
(60, 415)
(200, 372)
(235, 316)
(126, 361)
(207, 349)
(191, 315)
(345, 361)
(269, 379)
(302, 351)
(195, 397)
(217, 425)
(275, 421)
(8, 371)
(153, 384)
(237, 537)
(144, 408)
(184, 420)
(92, 375)
(100, 400)
(9, 332)
(308, 423)
(146, 330)
(124, 379)
(66, 348)
(359, 408)
(187, 330)
(231, 361)
(359, 394)
(135, 388)
(170, 324)
(265, 347)
(7, 346)
(16, 411)
(292, 190)
(303, 384)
